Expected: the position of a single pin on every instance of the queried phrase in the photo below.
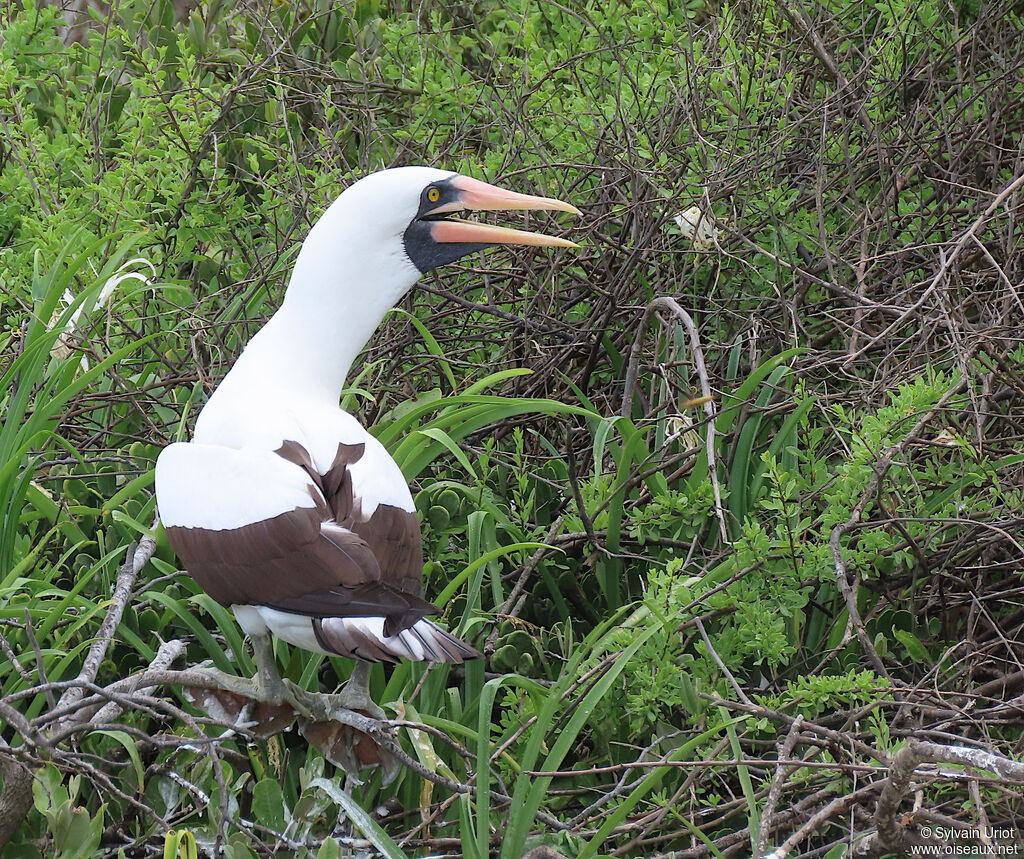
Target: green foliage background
(626, 622)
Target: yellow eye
(434, 194)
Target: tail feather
(363, 638)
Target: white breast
(250, 425)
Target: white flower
(699, 227)
(62, 346)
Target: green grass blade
(360, 819)
(652, 781)
(529, 791)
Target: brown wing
(392, 534)
(323, 560)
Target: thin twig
(946, 264)
(138, 557)
(775, 792)
(721, 665)
(684, 318)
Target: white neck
(345, 280)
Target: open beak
(474, 195)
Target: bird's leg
(355, 694)
(268, 680)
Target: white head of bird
(367, 251)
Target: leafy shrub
(859, 307)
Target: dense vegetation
(816, 565)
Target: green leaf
(330, 849)
(133, 753)
(268, 804)
(360, 819)
(743, 773)
(440, 435)
(916, 650)
(48, 793)
(433, 347)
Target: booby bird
(283, 507)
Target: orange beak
(474, 195)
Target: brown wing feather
(393, 534)
(324, 560)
